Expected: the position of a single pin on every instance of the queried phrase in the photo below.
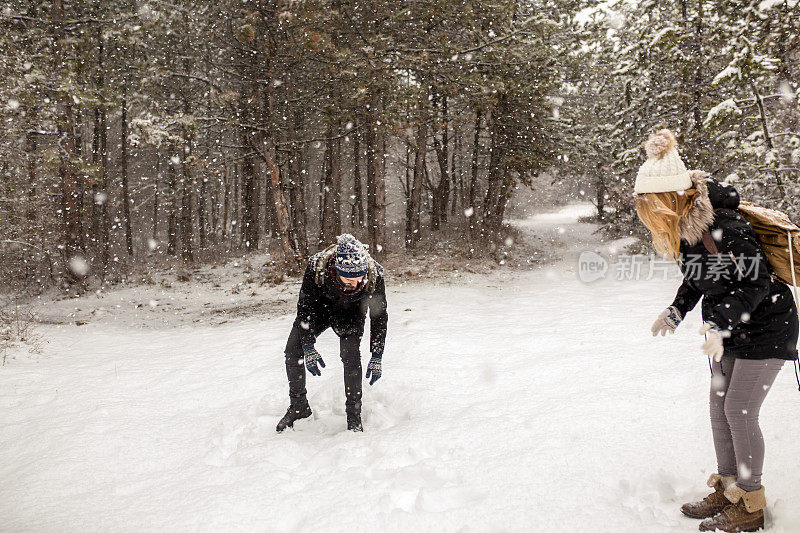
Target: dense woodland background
(152, 132)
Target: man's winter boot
(712, 504)
(746, 512)
(295, 412)
(354, 422)
(298, 404)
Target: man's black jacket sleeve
(307, 307)
(378, 318)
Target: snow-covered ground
(520, 402)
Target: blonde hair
(661, 213)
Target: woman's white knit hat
(663, 171)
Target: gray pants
(738, 388)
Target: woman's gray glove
(713, 346)
(668, 320)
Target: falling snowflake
(744, 471)
(615, 20)
(78, 266)
(787, 93)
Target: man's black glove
(374, 368)
(312, 357)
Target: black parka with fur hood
(324, 302)
(740, 295)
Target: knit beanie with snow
(352, 258)
(663, 171)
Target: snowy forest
(137, 131)
(452, 203)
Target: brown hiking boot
(712, 504)
(746, 512)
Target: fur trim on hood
(701, 215)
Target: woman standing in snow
(750, 320)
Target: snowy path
(532, 403)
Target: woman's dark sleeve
(751, 277)
(687, 297)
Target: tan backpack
(780, 240)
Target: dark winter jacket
(739, 293)
(329, 304)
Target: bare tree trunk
(172, 220)
(214, 201)
(226, 193)
(444, 181)
(290, 255)
(301, 221)
(101, 225)
(103, 199)
(270, 210)
(415, 193)
(30, 149)
(437, 209)
(406, 183)
(156, 180)
(70, 204)
(767, 136)
(473, 181)
(201, 207)
(699, 87)
(376, 180)
(686, 71)
(187, 250)
(494, 203)
(496, 200)
(455, 187)
(331, 223)
(126, 199)
(78, 127)
(95, 188)
(250, 198)
(237, 225)
(358, 200)
(297, 185)
(600, 189)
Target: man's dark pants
(349, 350)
